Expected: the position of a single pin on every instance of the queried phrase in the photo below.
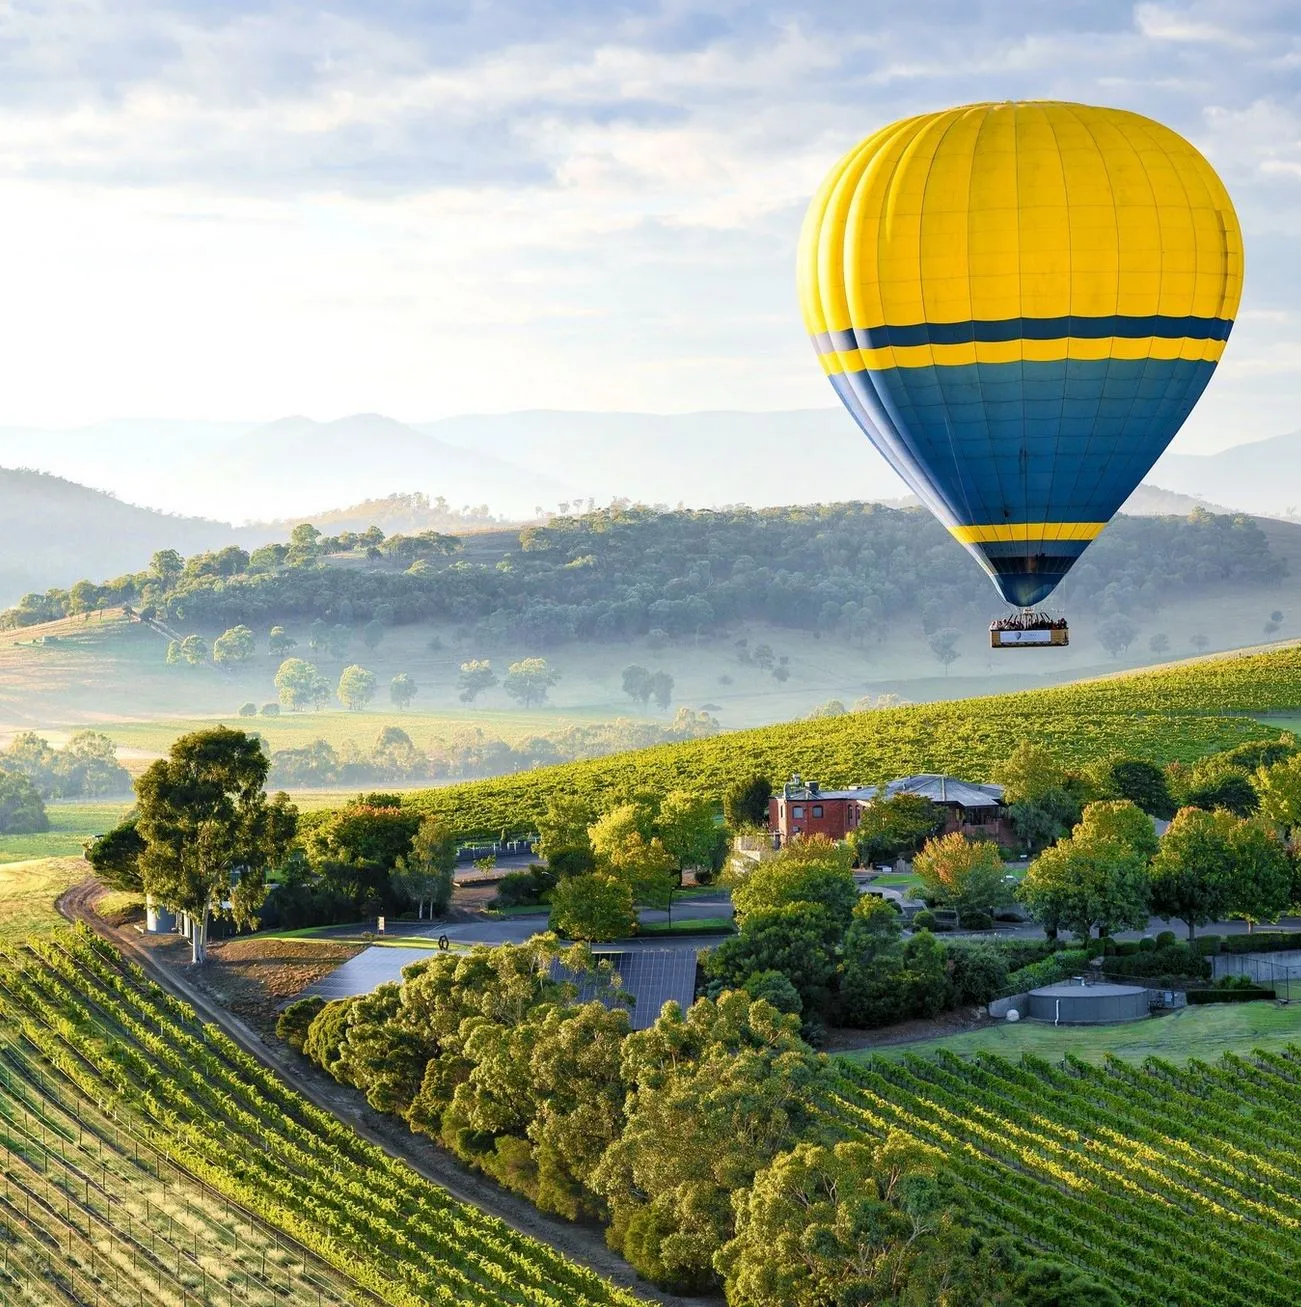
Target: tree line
(622, 572)
(32, 772)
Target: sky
(233, 210)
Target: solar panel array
(368, 970)
(651, 975)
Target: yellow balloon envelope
(1020, 304)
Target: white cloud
(285, 210)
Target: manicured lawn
(688, 926)
(1196, 1032)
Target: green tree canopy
(745, 802)
(960, 873)
(1096, 877)
(598, 906)
(22, 810)
(235, 645)
(1028, 773)
(209, 831)
(299, 685)
(1193, 870)
(115, 856)
(425, 873)
(718, 1093)
(894, 825)
(812, 870)
(475, 677)
(528, 681)
(402, 690)
(689, 832)
(356, 687)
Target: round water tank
(1085, 1005)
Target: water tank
(1074, 1003)
(158, 920)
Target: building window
(797, 812)
(817, 810)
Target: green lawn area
(1281, 722)
(28, 891)
(71, 825)
(1195, 1032)
(688, 926)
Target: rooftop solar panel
(652, 976)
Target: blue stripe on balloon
(1065, 441)
(1002, 329)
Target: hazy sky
(238, 210)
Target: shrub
(1146, 944)
(270, 710)
(774, 987)
(1175, 961)
(248, 710)
(521, 888)
(975, 919)
(924, 920)
(1208, 945)
(1109, 947)
(1017, 953)
(1166, 938)
(1264, 941)
(1061, 966)
(296, 1020)
(1126, 948)
(1250, 995)
(977, 972)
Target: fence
(1267, 972)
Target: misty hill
(1261, 477)
(288, 469)
(695, 459)
(58, 530)
(508, 465)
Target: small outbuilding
(1081, 1003)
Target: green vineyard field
(149, 1160)
(1175, 714)
(1175, 1185)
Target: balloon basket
(1029, 630)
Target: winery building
(805, 808)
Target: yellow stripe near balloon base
(1020, 351)
(1009, 533)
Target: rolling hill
(59, 530)
(1261, 477)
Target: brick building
(805, 808)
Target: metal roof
(931, 785)
(947, 789)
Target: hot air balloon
(1019, 304)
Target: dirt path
(582, 1243)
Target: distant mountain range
(1263, 477)
(518, 463)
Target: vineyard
(1174, 1185)
(1175, 714)
(149, 1160)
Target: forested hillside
(625, 572)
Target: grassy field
(71, 825)
(1195, 1032)
(110, 674)
(28, 891)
